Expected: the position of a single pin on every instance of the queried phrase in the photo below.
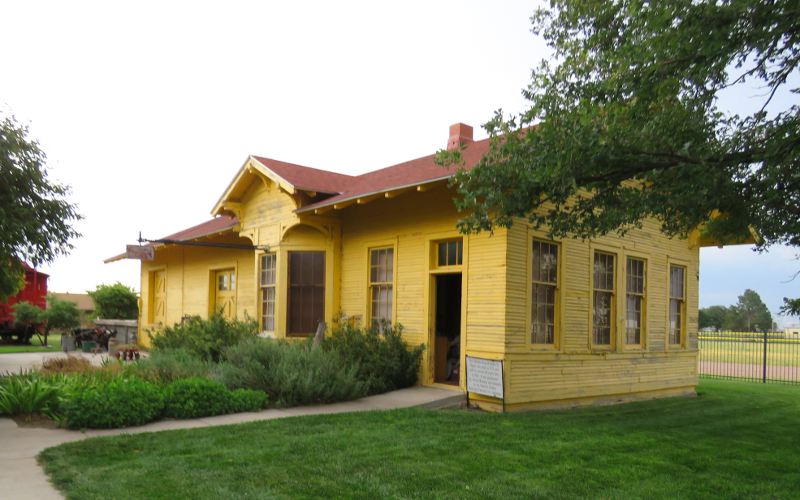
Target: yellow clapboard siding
(496, 302)
(189, 277)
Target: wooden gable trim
(261, 171)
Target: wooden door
(225, 295)
(158, 304)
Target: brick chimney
(460, 135)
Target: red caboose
(34, 291)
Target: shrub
(196, 397)
(26, 314)
(290, 374)
(61, 315)
(167, 365)
(383, 358)
(68, 364)
(29, 394)
(205, 337)
(120, 402)
(115, 301)
(247, 400)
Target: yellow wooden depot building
(574, 322)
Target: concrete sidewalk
(22, 478)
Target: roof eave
(348, 200)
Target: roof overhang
(702, 237)
(363, 198)
(156, 246)
(250, 169)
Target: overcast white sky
(148, 109)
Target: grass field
(779, 352)
(734, 440)
(53, 344)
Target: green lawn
(734, 440)
(53, 344)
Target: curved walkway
(22, 478)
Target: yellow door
(225, 296)
(158, 304)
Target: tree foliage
(713, 317)
(115, 301)
(627, 113)
(790, 307)
(35, 217)
(752, 313)
(749, 314)
(27, 314)
(61, 315)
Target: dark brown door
(306, 291)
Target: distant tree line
(749, 314)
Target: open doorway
(447, 328)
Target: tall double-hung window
(381, 284)
(677, 304)
(634, 300)
(603, 298)
(267, 283)
(544, 291)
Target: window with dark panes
(544, 292)
(603, 299)
(677, 303)
(381, 277)
(634, 300)
(306, 292)
(267, 281)
(450, 253)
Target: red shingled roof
(409, 173)
(307, 178)
(207, 228)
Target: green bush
(119, 402)
(196, 397)
(115, 301)
(26, 314)
(26, 395)
(61, 315)
(247, 400)
(290, 374)
(167, 365)
(206, 338)
(383, 358)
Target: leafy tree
(115, 301)
(752, 314)
(27, 314)
(35, 217)
(713, 317)
(790, 307)
(61, 315)
(623, 125)
(627, 113)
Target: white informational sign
(140, 252)
(485, 376)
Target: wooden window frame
(531, 283)
(372, 284)
(612, 341)
(682, 334)
(262, 287)
(643, 305)
(459, 241)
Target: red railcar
(34, 291)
